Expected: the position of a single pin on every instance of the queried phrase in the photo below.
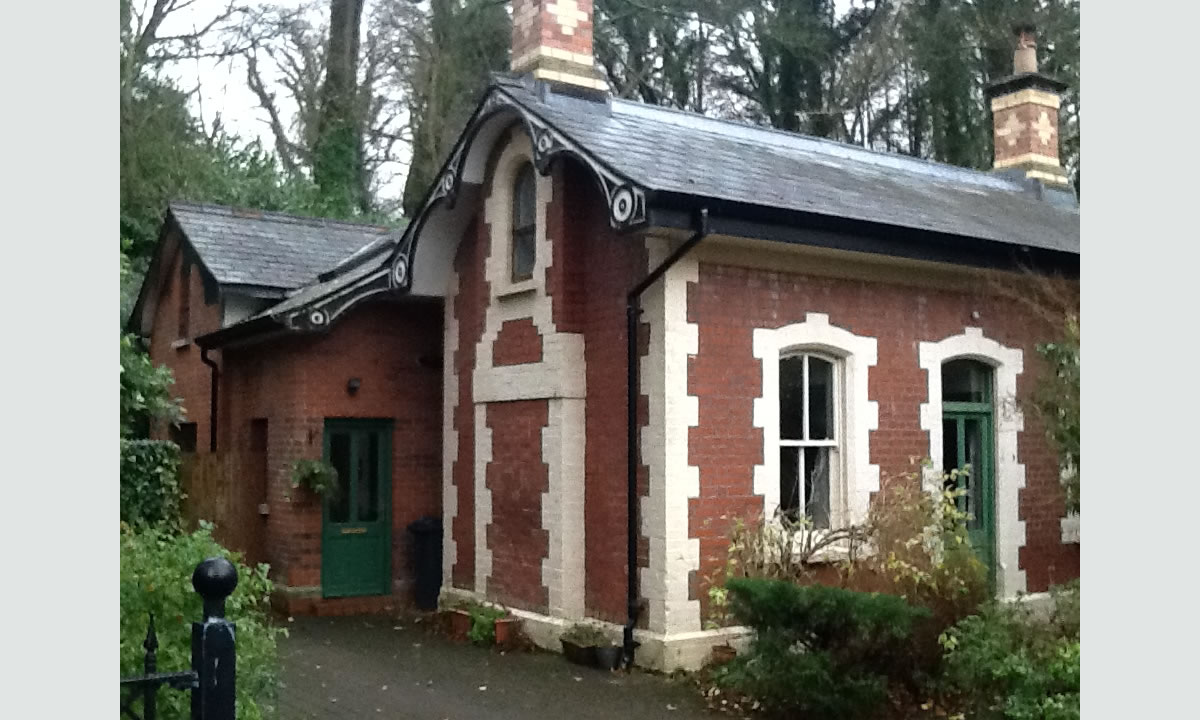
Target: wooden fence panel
(227, 490)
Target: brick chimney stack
(1025, 115)
(552, 40)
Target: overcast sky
(223, 83)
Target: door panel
(356, 532)
(967, 446)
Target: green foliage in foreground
(1007, 664)
(819, 651)
(151, 496)
(156, 577)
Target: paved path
(379, 667)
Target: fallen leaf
(383, 688)
(482, 687)
(670, 706)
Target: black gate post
(150, 666)
(213, 655)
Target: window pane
(339, 458)
(523, 253)
(966, 381)
(789, 479)
(973, 439)
(791, 398)
(524, 195)
(816, 485)
(368, 480)
(820, 399)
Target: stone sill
(511, 289)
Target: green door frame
(355, 551)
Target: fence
(211, 680)
(228, 488)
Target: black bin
(426, 560)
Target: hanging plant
(316, 476)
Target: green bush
(819, 650)
(151, 496)
(1005, 663)
(156, 577)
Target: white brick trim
(562, 508)
(857, 353)
(1007, 364)
(559, 378)
(449, 434)
(674, 555)
(483, 498)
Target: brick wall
(296, 383)
(517, 343)
(729, 302)
(469, 304)
(192, 377)
(517, 478)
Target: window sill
(514, 289)
(181, 343)
(1070, 530)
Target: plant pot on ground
(722, 654)
(456, 622)
(608, 657)
(580, 642)
(508, 632)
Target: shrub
(151, 496)
(156, 577)
(145, 389)
(1006, 663)
(818, 650)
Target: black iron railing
(214, 660)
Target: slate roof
(680, 152)
(269, 249)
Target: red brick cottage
(808, 317)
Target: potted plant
(608, 655)
(508, 631)
(483, 623)
(456, 621)
(579, 643)
(316, 476)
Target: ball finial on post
(214, 580)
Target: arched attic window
(524, 223)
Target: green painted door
(968, 445)
(356, 525)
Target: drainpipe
(212, 400)
(633, 310)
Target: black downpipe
(212, 400)
(633, 311)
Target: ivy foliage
(145, 390)
(151, 495)
(1057, 403)
(156, 572)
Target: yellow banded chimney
(1025, 115)
(552, 41)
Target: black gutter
(873, 238)
(212, 401)
(633, 310)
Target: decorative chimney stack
(552, 40)
(1025, 115)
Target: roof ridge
(985, 175)
(248, 213)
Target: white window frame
(837, 509)
(855, 354)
